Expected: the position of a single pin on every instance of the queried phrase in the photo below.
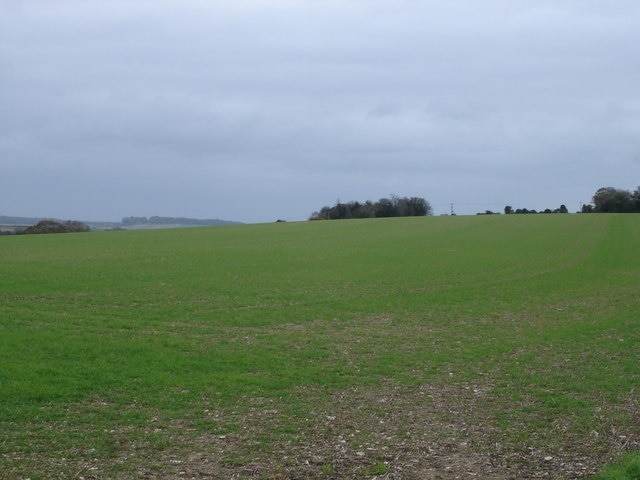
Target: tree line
(614, 200)
(385, 207)
(605, 200)
(509, 210)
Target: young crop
(417, 347)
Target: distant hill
(22, 221)
(127, 222)
(130, 221)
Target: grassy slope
(105, 334)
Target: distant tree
(613, 200)
(635, 199)
(418, 207)
(401, 206)
(385, 208)
(586, 208)
(508, 209)
(563, 209)
(367, 210)
(342, 211)
(320, 215)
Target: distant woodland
(385, 207)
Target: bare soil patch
(390, 432)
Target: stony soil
(391, 432)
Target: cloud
(366, 96)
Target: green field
(406, 348)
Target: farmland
(450, 347)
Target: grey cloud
(367, 96)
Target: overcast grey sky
(259, 110)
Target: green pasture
(328, 349)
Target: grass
(138, 353)
(627, 468)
